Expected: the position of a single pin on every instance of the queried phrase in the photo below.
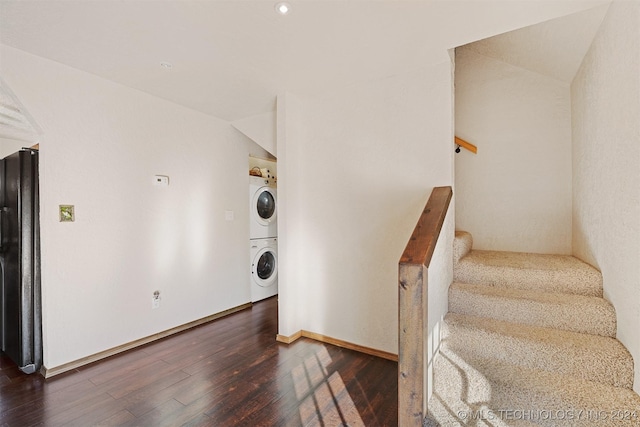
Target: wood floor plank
(88, 409)
(125, 371)
(167, 414)
(113, 365)
(193, 390)
(229, 372)
(150, 396)
(193, 353)
(308, 370)
(369, 388)
(95, 413)
(142, 378)
(118, 419)
(200, 421)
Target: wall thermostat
(161, 180)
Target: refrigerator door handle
(2, 211)
(3, 221)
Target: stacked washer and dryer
(263, 237)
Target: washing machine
(264, 268)
(263, 205)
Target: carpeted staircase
(529, 340)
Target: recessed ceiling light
(283, 8)
(166, 65)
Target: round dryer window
(265, 267)
(265, 204)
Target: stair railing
(412, 308)
(465, 144)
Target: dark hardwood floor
(230, 372)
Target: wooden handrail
(464, 144)
(412, 307)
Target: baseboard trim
(57, 370)
(288, 339)
(337, 342)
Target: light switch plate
(67, 213)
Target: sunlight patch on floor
(325, 400)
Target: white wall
(439, 280)
(261, 129)
(292, 264)
(515, 194)
(102, 145)
(10, 146)
(606, 166)
(354, 183)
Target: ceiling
(552, 48)
(231, 58)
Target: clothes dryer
(263, 206)
(264, 268)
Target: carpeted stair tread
(577, 313)
(462, 244)
(585, 356)
(529, 340)
(505, 394)
(546, 273)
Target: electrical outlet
(155, 300)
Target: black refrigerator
(20, 298)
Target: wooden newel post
(412, 308)
(412, 297)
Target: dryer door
(264, 206)
(265, 267)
